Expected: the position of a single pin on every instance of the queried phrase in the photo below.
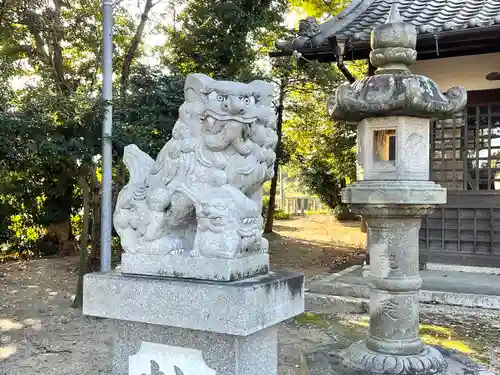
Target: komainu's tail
(138, 164)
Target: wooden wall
(465, 158)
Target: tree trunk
(61, 230)
(268, 228)
(61, 234)
(134, 46)
(84, 258)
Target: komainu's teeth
(210, 121)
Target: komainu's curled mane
(202, 196)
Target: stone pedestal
(195, 295)
(190, 327)
(187, 267)
(219, 353)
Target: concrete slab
(455, 288)
(454, 267)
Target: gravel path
(41, 334)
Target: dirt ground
(316, 244)
(41, 334)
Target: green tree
(303, 86)
(57, 43)
(319, 8)
(322, 150)
(319, 149)
(223, 39)
(52, 126)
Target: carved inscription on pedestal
(155, 369)
(157, 359)
(390, 308)
(386, 264)
(388, 261)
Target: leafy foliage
(218, 38)
(147, 113)
(320, 8)
(321, 150)
(52, 126)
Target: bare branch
(134, 45)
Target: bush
(47, 246)
(280, 215)
(342, 213)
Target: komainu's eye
(221, 98)
(248, 100)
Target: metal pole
(107, 147)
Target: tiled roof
(360, 17)
(429, 16)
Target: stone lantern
(393, 110)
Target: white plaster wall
(467, 71)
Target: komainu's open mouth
(228, 117)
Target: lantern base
(359, 360)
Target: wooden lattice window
(447, 165)
(465, 150)
(482, 147)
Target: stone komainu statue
(203, 194)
